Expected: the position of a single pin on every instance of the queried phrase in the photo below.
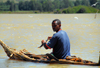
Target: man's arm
(51, 43)
(45, 45)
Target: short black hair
(58, 21)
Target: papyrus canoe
(27, 56)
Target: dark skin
(55, 27)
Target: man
(59, 41)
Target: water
(21, 31)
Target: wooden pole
(96, 14)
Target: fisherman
(59, 41)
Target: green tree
(36, 5)
(98, 5)
(26, 5)
(61, 4)
(4, 7)
(66, 3)
(77, 2)
(93, 1)
(12, 6)
(16, 7)
(56, 4)
(48, 5)
(86, 2)
(1, 6)
(21, 5)
(30, 5)
(71, 3)
(8, 2)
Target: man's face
(55, 26)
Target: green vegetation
(79, 9)
(48, 6)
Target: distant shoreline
(24, 12)
(34, 12)
(70, 10)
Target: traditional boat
(47, 58)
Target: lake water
(21, 31)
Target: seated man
(59, 41)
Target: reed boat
(24, 55)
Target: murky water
(21, 31)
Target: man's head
(56, 25)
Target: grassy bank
(78, 9)
(24, 12)
(75, 9)
(16, 12)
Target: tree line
(43, 5)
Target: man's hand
(49, 37)
(43, 41)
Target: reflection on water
(27, 30)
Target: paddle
(42, 44)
